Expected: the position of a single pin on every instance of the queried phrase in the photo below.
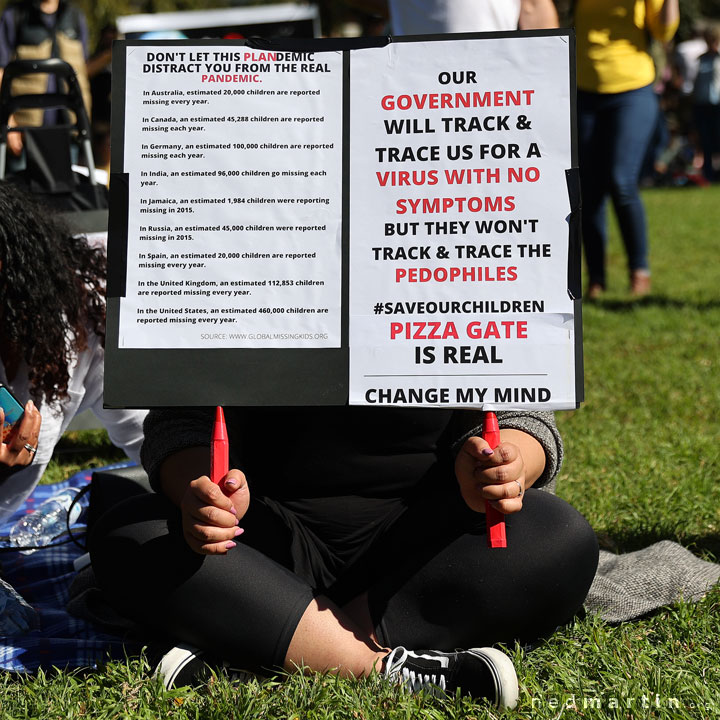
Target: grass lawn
(642, 463)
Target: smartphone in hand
(13, 410)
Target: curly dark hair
(52, 291)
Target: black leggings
(430, 578)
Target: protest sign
(388, 225)
(459, 291)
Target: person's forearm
(537, 15)
(532, 453)
(662, 18)
(96, 63)
(669, 12)
(181, 468)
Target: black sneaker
(185, 665)
(478, 672)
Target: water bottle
(49, 520)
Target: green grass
(642, 463)
(80, 450)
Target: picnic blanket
(43, 579)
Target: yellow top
(612, 43)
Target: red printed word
(423, 330)
(404, 177)
(456, 274)
(459, 204)
(218, 78)
(506, 329)
(499, 98)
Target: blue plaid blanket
(43, 579)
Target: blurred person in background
(706, 102)
(685, 62)
(617, 114)
(100, 71)
(419, 17)
(37, 30)
(687, 58)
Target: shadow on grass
(96, 441)
(81, 447)
(654, 301)
(706, 545)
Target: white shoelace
(413, 679)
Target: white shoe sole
(173, 662)
(505, 676)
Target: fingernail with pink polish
(239, 531)
(230, 545)
(487, 451)
(232, 509)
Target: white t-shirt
(688, 60)
(421, 17)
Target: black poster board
(178, 376)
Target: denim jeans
(614, 131)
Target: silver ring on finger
(32, 450)
(520, 487)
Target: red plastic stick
(219, 448)
(494, 519)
